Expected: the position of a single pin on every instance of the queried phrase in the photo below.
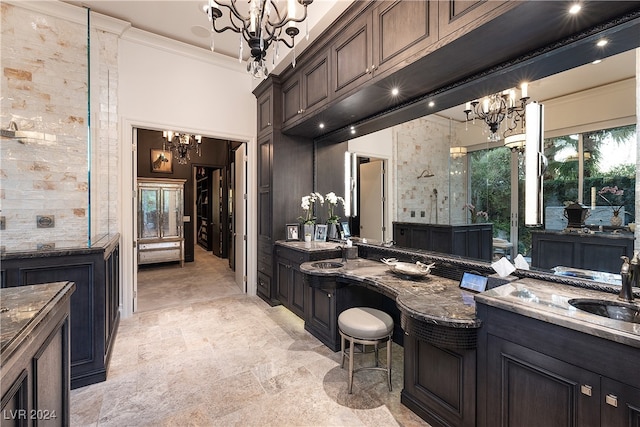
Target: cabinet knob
(612, 400)
(366, 71)
(328, 295)
(373, 67)
(268, 123)
(585, 389)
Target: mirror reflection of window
(587, 168)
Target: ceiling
(185, 21)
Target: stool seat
(365, 323)
(365, 326)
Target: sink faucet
(344, 253)
(630, 273)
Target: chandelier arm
(285, 20)
(233, 11)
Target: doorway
(370, 216)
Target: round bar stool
(366, 326)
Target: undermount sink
(611, 309)
(326, 265)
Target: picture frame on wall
(161, 161)
(292, 232)
(321, 233)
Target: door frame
(127, 213)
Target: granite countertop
(310, 246)
(432, 299)
(549, 302)
(23, 308)
(104, 244)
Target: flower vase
(616, 219)
(307, 230)
(332, 231)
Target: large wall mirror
(444, 169)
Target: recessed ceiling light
(353, 130)
(597, 61)
(431, 104)
(395, 91)
(602, 42)
(575, 8)
(321, 125)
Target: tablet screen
(473, 282)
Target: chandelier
(181, 144)
(494, 109)
(260, 28)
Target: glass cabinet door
(171, 212)
(149, 213)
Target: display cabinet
(160, 220)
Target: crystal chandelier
(494, 109)
(181, 144)
(261, 28)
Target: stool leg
(342, 350)
(389, 362)
(350, 364)
(377, 356)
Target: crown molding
(175, 47)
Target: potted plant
(332, 219)
(307, 219)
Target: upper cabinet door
(315, 83)
(402, 30)
(351, 55)
(458, 17)
(291, 110)
(265, 109)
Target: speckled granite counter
(34, 354)
(24, 308)
(550, 303)
(434, 300)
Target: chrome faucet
(630, 273)
(344, 253)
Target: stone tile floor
(199, 352)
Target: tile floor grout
(200, 352)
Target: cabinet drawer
(158, 245)
(159, 255)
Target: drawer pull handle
(585, 389)
(612, 400)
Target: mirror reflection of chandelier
(181, 144)
(494, 109)
(262, 27)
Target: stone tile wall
(422, 148)
(44, 88)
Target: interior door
(240, 216)
(372, 200)
(134, 216)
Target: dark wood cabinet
(291, 100)
(440, 372)
(402, 30)
(352, 55)
(470, 240)
(95, 304)
(285, 174)
(599, 252)
(203, 208)
(579, 379)
(321, 317)
(35, 367)
(458, 17)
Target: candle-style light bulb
(524, 88)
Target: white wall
(165, 84)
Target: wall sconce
(457, 152)
(535, 165)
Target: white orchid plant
(332, 202)
(307, 206)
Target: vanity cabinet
(290, 281)
(526, 364)
(321, 316)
